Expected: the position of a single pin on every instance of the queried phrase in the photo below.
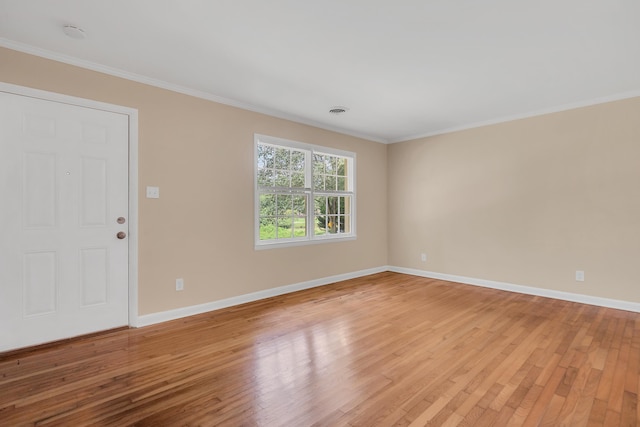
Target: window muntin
(280, 167)
(329, 172)
(332, 215)
(304, 193)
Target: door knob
(121, 235)
(121, 220)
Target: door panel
(64, 183)
(40, 190)
(39, 283)
(94, 266)
(93, 209)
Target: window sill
(291, 243)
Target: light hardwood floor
(382, 350)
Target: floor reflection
(295, 367)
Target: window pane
(330, 182)
(330, 165)
(318, 163)
(283, 179)
(299, 205)
(267, 205)
(332, 225)
(265, 156)
(297, 179)
(265, 178)
(297, 161)
(340, 165)
(282, 158)
(332, 205)
(284, 204)
(319, 228)
(285, 228)
(320, 205)
(299, 227)
(342, 183)
(267, 228)
(342, 224)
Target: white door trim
(133, 174)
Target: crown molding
(32, 50)
(550, 110)
(93, 66)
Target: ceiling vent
(338, 110)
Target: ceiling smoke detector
(74, 32)
(338, 110)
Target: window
(303, 193)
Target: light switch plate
(153, 192)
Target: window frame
(309, 191)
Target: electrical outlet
(153, 192)
(179, 284)
(423, 257)
(579, 276)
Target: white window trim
(311, 238)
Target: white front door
(63, 201)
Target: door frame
(132, 113)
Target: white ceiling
(404, 68)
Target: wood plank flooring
(382, 350)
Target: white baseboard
(164, 316)
(548, 293)
(153, 318)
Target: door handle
(121, 235)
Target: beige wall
(200, 154)
(526, 202)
